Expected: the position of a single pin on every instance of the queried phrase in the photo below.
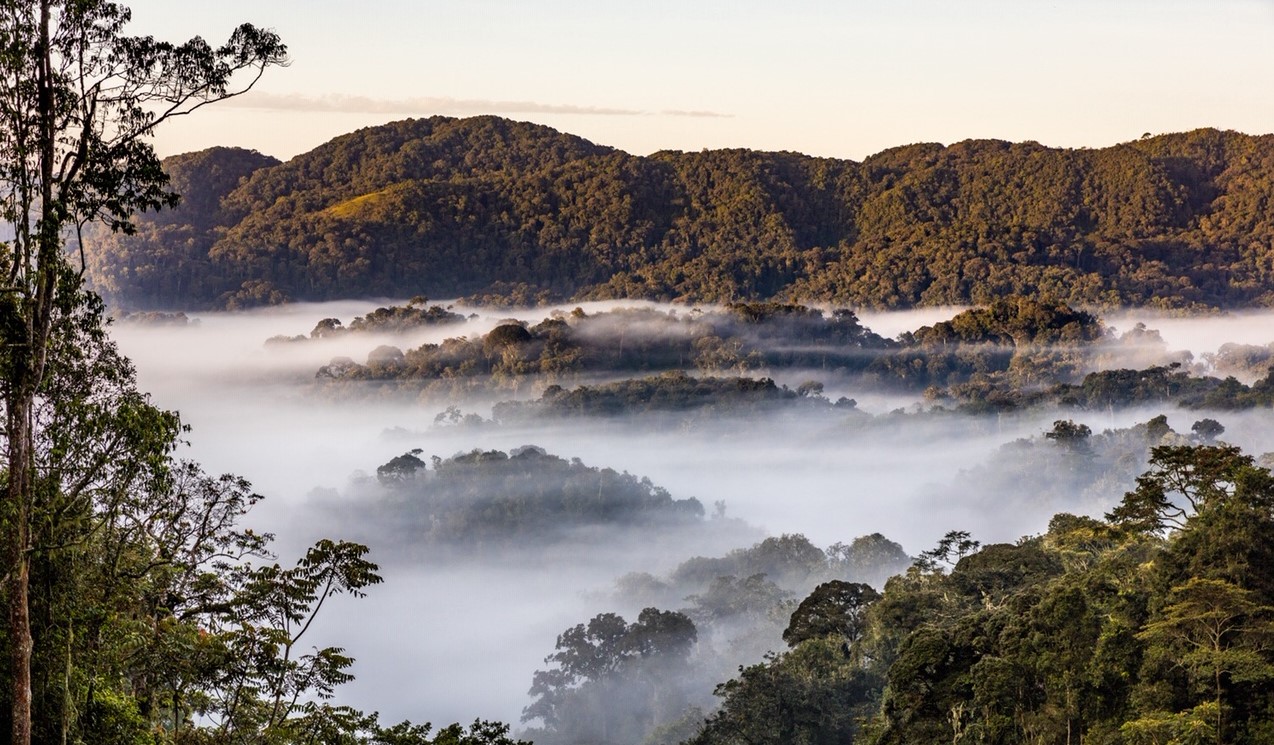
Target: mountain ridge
(488, 206)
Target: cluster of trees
(168, 250)
(671, 392)
(1014, 340)
(612, 681)
(795, 563)
(518, 212)
(1071, 467)
(608, 681)
(1154, 625)
(1012, 353)
(492, 500)
(157, 318)
(741, 337)
(1167, 384)
(1173, 383)
(138, 608)
(416, 314)
(1243, 361)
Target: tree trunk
(1217, 673)
(16, 557)
(27, 369)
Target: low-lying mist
(456, 635)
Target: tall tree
(1219, 634)
(1182, 481)
(835, 608)
(79, 100)
(612, 681)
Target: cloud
(696, 114)
(344, 103)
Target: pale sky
(840, 79)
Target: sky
(836, 79)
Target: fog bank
(458, 640)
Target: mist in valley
(458, 628)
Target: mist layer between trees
(896, 464)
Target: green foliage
(1115, 388)
(729, 598)
(835, 608)
(1111, 632)
(1014, 353)
(167, 256)
(787, 559)
(157, 616)
(1207, 430)
(115, 720)
(1197, 726)
(872, 559)
(80, 101)
(1020, 340)
(478, 733)
(137, 609)
(516, 213)
(671, 392)
(1070, 435)
(1183, 481)
(400, 468)
(953, 547)
(811, 695)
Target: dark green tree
(1207, 430)
(1069, 435)
(810, 695)
(835, 609)
(869, 558)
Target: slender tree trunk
(16, 557)
(27, 369)
(66, 683)
(1217, 673)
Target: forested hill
(519, 212)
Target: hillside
(515, 211)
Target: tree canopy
(1095, 631)
(515, 213)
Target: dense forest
(1150, 626)
(514, 213)
(1012, 353)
